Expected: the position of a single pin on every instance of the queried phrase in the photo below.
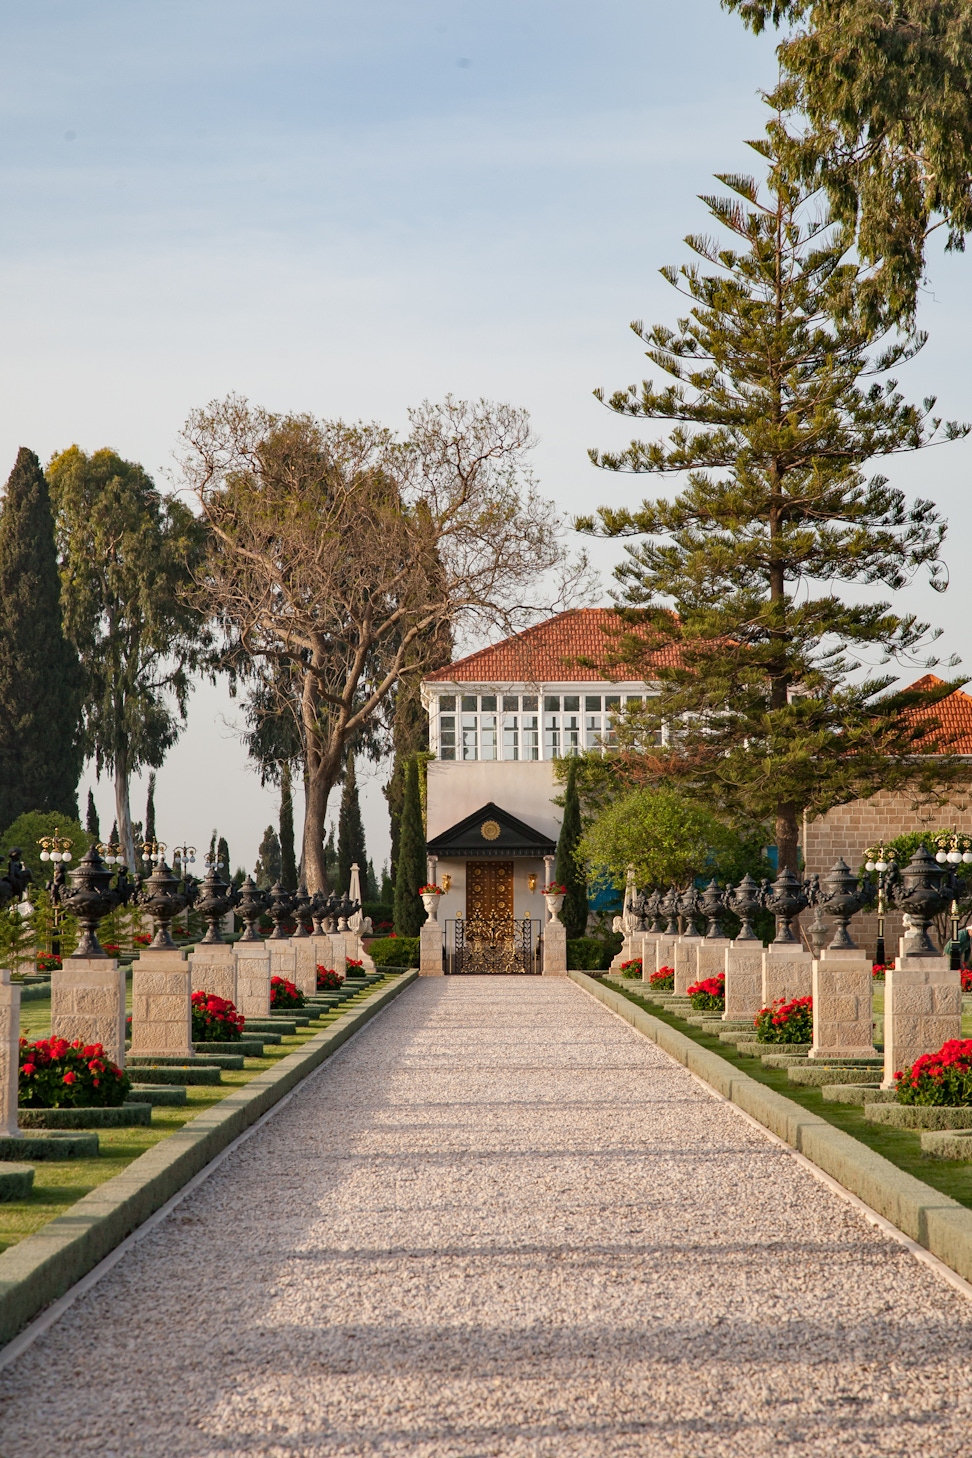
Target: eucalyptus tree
(127, 557)
(778, 395)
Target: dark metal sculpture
(817, 930)
(16, 878)
(252, 905)
(669, 907)
(842, 896)
(924, 890)
(89, 897)
(688, 905)
(304, 912)
(653, 915)
(281, 909)
(215, 898)
(714, 907)
(746, 900)
(163, 896)
(785, 898)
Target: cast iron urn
(163, 897)
(215, 897)
(89, 897)
(923, 892)
(281, 910)
(745, 901)
(303, 912)
(842, 896)
(714, 906)
(786, 898)
(669, 910)
(252, 905)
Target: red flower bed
(141, 939)
(56, 1074)
(328, 980)
(47, 962)
(944, 1077)
(878, 970)
(663, 980)
(632, 968)
(709, 995)
(785, 1022)
(966, 981)
(354, 967)
(285, 994)
(215, 1019)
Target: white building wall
(526, 789)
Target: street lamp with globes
(882, 860)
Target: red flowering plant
(966, 980)
(431, 890)
(47, 962)
(709, 995)
(215, 1019)
(663, 980)
(111, 949)
(354, 967)
(632, 968)
(944, 1077)
(785, 1022)
(285, 994)
(878, 970)
(328, 980)
(141, 939)
(56, 1074)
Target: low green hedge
(590, 954)
(394, 951)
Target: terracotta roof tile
(549, 653)
(953, 713)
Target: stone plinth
(161, 1004)
(787, 973)
(253, 979)
(212, 969)
(339, 950)
(744, 980)
(283, 959)
(711, 957)
(554, 949)
(353, 948)
(9, 1054)
(922, 1010)
(88, 1002)
(685, 963)
(645, 943)
(310, 953)
(662, 950)
(841, 984)
(430, 949)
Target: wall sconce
(532, 881)
(446, 881)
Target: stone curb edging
(43, 1266)
(934, 1220)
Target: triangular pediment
(491, 831)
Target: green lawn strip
(58, 1184)
(901, 1146)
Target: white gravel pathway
(502, 1222)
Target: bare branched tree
(337, 550)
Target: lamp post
(881, 859)
(55, 848)
(953, 850)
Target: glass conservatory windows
(509, 727)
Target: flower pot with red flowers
(709, 995)
(663, 980)
(328, 980)
(631, 969)
(56, 1074)
(786, 1022)
(215, 1019)
(285, 995)
(944, 1077)
(553, 896)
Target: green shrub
(590, 954)
(394, 951)
(944, 1077)
(785, 1022)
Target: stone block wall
(744, 980)
(88, 1002)
(922, 1010)
(842, 993)
(253, 979)
(213, 969)
(786, 975)
(9, 1054)
(161, 1004)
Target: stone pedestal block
(744, 979)
(353, 948)
(841, 985)
(922, 1010)
(430, 949)
(309, 954)
(645, 942)
(555, 949)
(710, 958)
(88, 1002)
(283, 960)
(663, 952)
(161, 1005)
(685, 963)
(253, 979)
(339, 950)
(9, 1055)
(787, 974)
(213, 969)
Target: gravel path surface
(502, 1222)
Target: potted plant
(553, 896)
(430, 899)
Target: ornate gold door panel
(488, 940)
(489, 890)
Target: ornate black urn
(89, 897)
(786, 898)
(281, 910)
(714, 907)
(345, 909)
(303, 912)
(923, 891)
(745, 901)
(252, 905)
(318, 912)
(817, 930)
(653, 916)
(842, 896)
(214, 898)
(669, 911)
(163, 897)
(688, 905)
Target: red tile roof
(953, 715)
(550, 653)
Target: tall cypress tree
(568, 872)
(288, 859)
(150, 808)
(351, 836)
(92, 825)
(267, 870)
(412, 857)
(40, 676)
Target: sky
(346, 209)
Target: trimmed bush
(589, 954)
(785, 1022)
(285, 994)
(215, 1019)
(395, 951)
(56, 1074)
(944, 1077)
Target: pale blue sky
(348, 208)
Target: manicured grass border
(40, 1268)
(933, 1219)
